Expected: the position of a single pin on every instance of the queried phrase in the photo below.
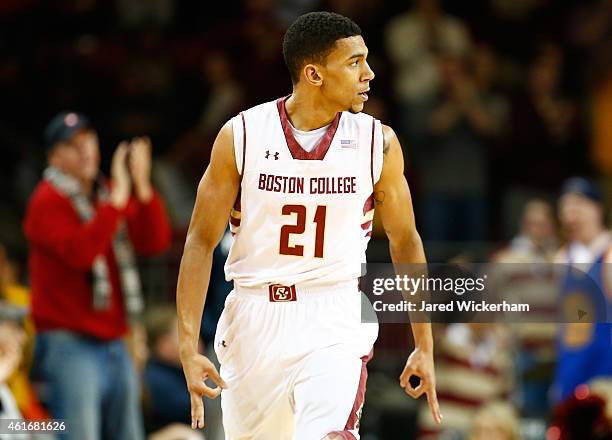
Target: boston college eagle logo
(280, 293)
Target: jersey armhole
(239, 129)
(377, 150)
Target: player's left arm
(394, 205)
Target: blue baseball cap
(583, 187)
(63, 126)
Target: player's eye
(355, 63)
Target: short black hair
(312, 36)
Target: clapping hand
(121, 185)
(140, 167)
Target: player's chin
(356, 107)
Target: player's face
(80, 156)
(347, 75)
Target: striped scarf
(122, 248)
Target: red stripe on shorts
(355, 415)
(342, 435)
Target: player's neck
(307, 111)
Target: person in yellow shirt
(13, 293)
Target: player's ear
(312, 74)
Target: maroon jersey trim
(296, 150)
(372, 157)
(243, 145)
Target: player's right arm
(217, 193)
(394, 205)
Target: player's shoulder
(361, 122)
(367, 118)
(388, 132)
(253, 118)
(265, 108)
(358, 117)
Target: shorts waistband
(297, 292)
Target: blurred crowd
(496, 102)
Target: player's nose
(368, 74)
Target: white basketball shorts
(294, 360)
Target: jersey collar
(297, 152)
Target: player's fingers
(211, 393)
(406, 374)
(413, 392)
(199, 388)
(197, 411)
(434, 406)
(214, 375)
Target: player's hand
(197, 369)
(121, 185)
(421, 364)
(140, 167)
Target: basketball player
(297, 178)
(584, 348)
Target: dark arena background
(496, 103)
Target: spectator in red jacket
(83, 233)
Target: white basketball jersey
(302, 217)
